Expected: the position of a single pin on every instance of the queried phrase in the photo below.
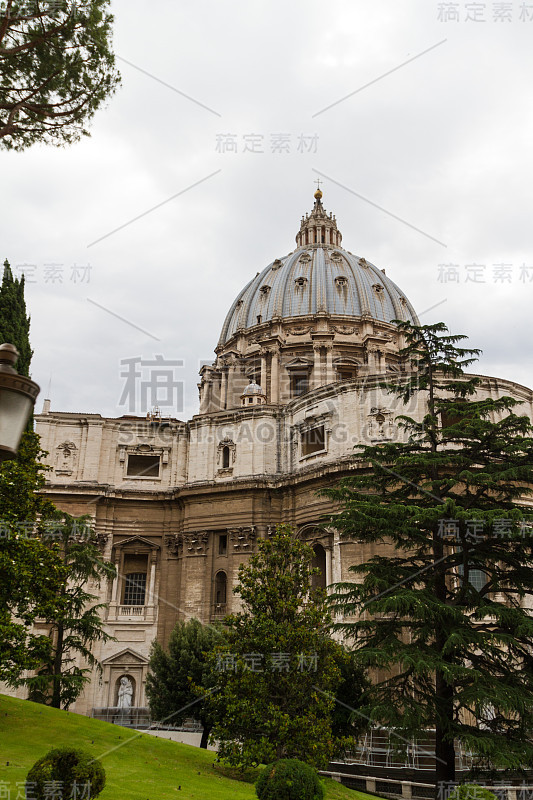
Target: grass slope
(138, 767)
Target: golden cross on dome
(318, 183)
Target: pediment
(126, 657)
(299, 362)
(135, 541)
(348, 361)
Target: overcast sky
(421, 130)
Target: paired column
(371, 359)
(151, 587)
(116, 579)
(263, 353)
(375, 357)
(224, 388)
(329, 565)
(205, 392)
(274, 375)
(330, 373)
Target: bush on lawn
(72, 769)
(471, 791)
(289, 779)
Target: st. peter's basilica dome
(319, 276)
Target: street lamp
(17, 398)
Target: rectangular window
(448, 419)
(135, 589)
(313, 441)
(346, 374)
(476, 577)
(222, 544)
(299, 385)
(143, 466)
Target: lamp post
(17, 399)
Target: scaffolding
(378, 749)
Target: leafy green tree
(56, 69)
(14, 321)
(32, 572)
(277, 670)
(74, 624)
(441, 611)
(347, 720)
(176, 673)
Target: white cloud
(443, 143)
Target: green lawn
(138, 767)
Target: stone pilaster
(196, 582)
(224, 388)
(330, 373)
(316, 378)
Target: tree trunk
(58, 659)
(444, 750)
(205, 736)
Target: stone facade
(180, 505)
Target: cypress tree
(14, 321)
(46, 558)
(31, 568)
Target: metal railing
(219, 611)
(134, 717)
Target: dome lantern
(318, 229)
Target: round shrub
(471, 791)
(289, 779)
(70, 768)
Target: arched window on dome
(226, 451)
(226, 457)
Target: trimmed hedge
(471, 791)
(289, 779)
(70, 768)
